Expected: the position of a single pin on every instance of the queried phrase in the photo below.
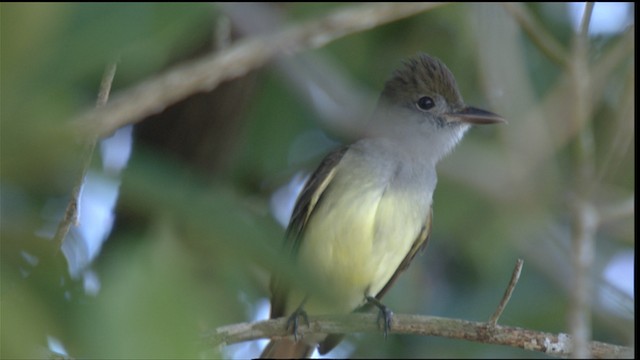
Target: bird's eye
(425, 103)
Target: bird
(366, 211)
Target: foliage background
(194, 235)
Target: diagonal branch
(204, 74)
(538, 33)
(70, 217)
(515, 276)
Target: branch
(585, 221)
(204, 74)
(71, 213)
(538, 33)
(559, 345)
(515, 276)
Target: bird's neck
(423, 149)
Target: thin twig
(586, 20)
(515, 276)
(73, 207)
(204, 74)
(558, 345)
(621, 139)
(538, 33)
(105, 84)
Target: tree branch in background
(204, 74)
(71, 213)
(559, 345)
(538, 33)
(584, 213)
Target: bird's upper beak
(473, 115)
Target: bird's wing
(308, 199)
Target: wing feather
(308, 199)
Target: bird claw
(384, 313)
(292, 322)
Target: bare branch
(105, 84)
(71, 213)
(507, 293)
(585, 218)
(558, 345)
(204, 74)
(538, 33)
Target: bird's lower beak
(473, 115)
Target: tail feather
(287, 349)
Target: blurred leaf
(150, 305)
(26, 319)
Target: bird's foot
(292, 321)
(384, 313)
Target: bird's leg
(384, 313)
(292, 321)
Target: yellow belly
(355, 241)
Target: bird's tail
(287, 349)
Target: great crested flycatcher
(366, 210)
